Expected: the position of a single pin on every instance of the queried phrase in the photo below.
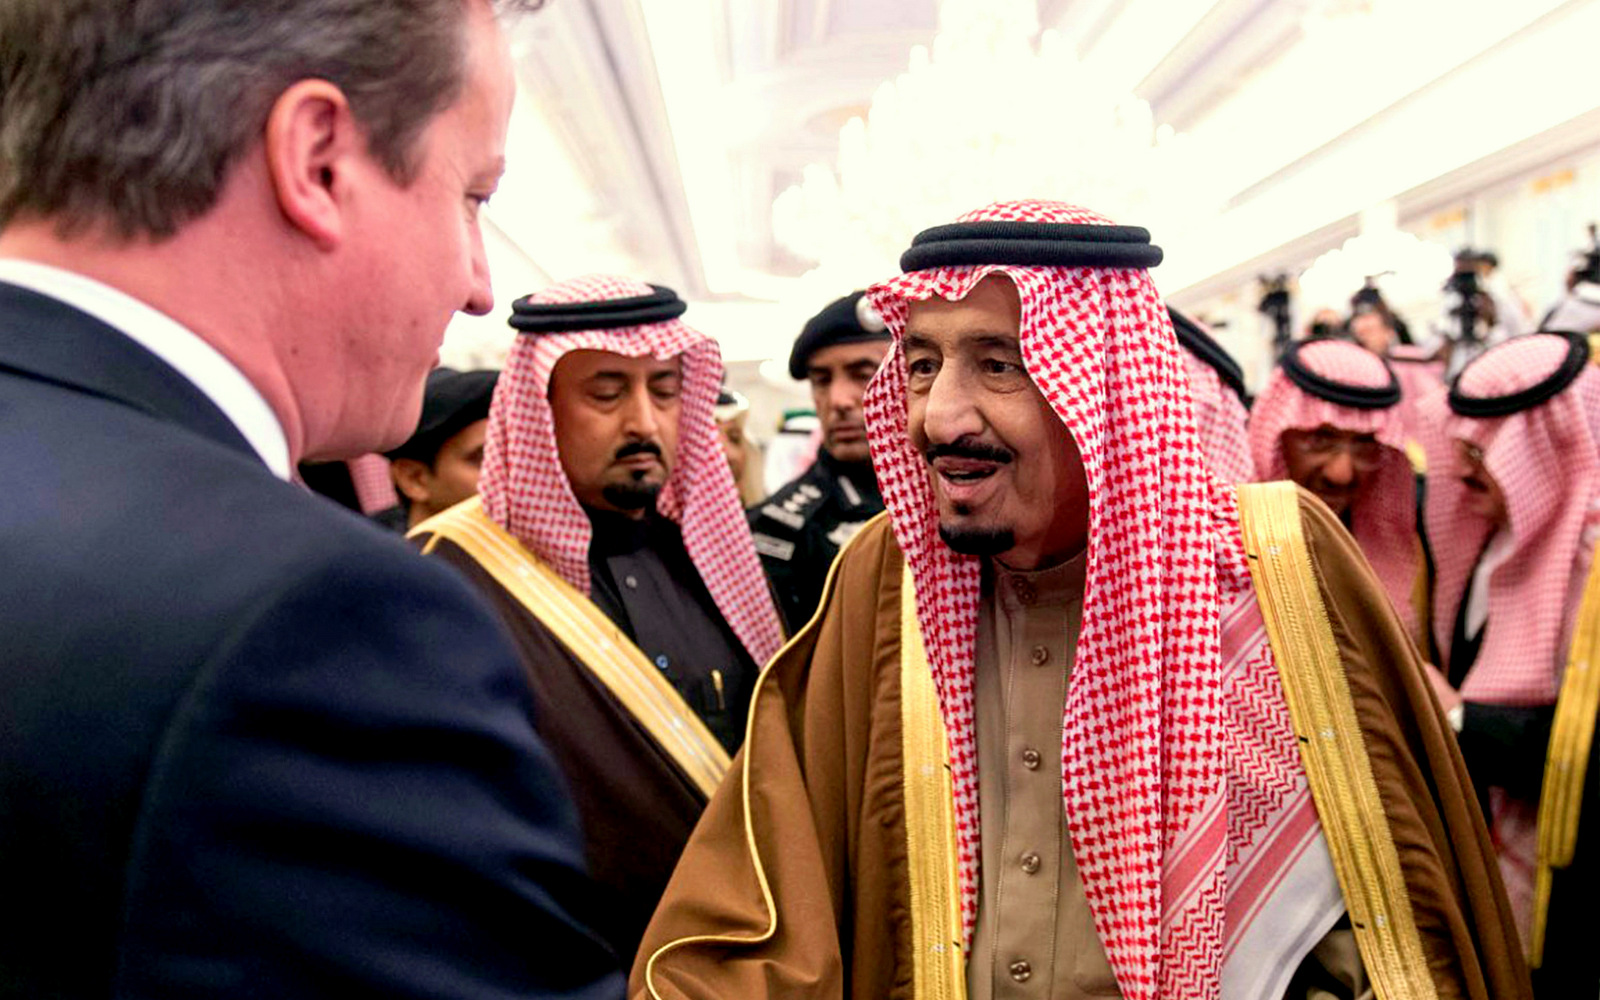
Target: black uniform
(799, 529)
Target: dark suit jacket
(250, 746)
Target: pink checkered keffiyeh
(1547, 462)
(525, 491)
(1181, 780)
(1220, 419)
(1384, 516)
(1420, 377)
(369, 475)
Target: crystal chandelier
(994, 110)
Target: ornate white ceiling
(653, 135)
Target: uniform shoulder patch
(781, 514)
(777, 548)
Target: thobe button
(663, 662)
(1024, 591)
(1030, 863)
(632, 581)
(1040, 656)
(1030, 759)
(1021, 971)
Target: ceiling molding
(1217, 56)
(587, 65)
(1309, 207)
(1571, 140)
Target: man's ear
(412, 478)
(311, 143)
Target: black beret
(848, 320)
(451, 402)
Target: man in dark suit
(251, 746)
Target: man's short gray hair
(130, 113)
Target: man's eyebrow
(658, 376)
(1001, 339)
(1006, 341)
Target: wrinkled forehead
(1329, 431)
(583, 364)
(989, 312)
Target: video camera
(1464, 294)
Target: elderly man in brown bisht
(1074, 719)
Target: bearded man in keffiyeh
(609, 535)
(1036, 741)
(1330, 419)
(1513, 510)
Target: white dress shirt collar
(175, 344)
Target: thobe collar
(1053, 586)
(617, 534)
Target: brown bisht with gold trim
(800, 880)
(639, 762)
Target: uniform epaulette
(791, 505)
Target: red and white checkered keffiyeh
(525, 491)
(1547, 462)
(1220, 419)
(1383, 517)
(1181, 780)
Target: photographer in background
(1579, 310)
(1479, 311)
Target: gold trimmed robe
(796, 882)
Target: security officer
(799, 529)
(437, 467)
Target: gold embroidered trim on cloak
(1571, 735)
(938, 963)
(744, 792)
(593, 638)
(1332, 747)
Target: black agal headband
(1357, 397)
(659, 306)
(1200, 344)
(1499, 406)
(1030, 244)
